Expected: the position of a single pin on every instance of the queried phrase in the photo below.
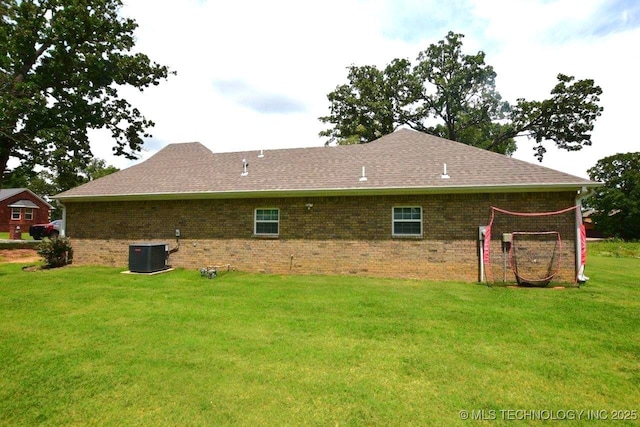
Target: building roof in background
(404, 161)
(7, 193)
(24, 203)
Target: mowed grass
(25, 235)
(83, 345)
(614, 248)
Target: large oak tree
(452, 94)
(62, 63)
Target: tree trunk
(5, 151)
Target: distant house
(406, 205)
(591, 227)
(20, 207)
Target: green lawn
(615, 248)
(92, 346)
(25, 235)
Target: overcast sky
(255, 74)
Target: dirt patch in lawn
(19, 255)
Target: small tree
(56, 252)
(617, 203)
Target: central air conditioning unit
(148, 257)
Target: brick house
(20, 207)
(406, 205)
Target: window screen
(407, 221)
(267, 222)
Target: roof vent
(444, 173)
(261, 155)
(244, 168)
(363, 177)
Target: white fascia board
(323, 192)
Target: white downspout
(582, 194)
(63, 229)
(481, 236)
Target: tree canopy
(617, 202)
(62, 63)
(452, 94)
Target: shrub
(56, 252)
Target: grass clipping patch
(19, 255)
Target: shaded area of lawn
(90, 345)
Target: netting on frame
(535, 257)
(530, 248)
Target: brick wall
(338, 235)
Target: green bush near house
(56, 252)
(89, 345)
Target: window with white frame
(407, 221)
(267, 222)
(15, 213)
(28, 214)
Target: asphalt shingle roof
(401, 161)
(24, 204)
(5, 193)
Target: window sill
(266, 236)
(407, 237)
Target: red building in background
(20, 207)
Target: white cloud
(289, 55)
